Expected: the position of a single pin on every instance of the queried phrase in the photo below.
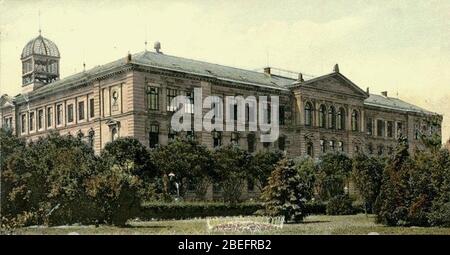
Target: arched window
(322, 146)
(341, 119)
(355, 121)
(332, 118)
(322, 116)
(309, 149)
(340, 146)
(308, 114)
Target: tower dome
(40, 46)
(40, 63)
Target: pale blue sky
(399, 46)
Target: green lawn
(318, 224)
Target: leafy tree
(367, 176)
(285, 194)
(307, 169)
(191, 163)
(264, 162)
(232, 168)
(124, 150)
(333, 171)
(392, 204)
(440, 176)
(45, 180)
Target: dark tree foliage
(124, 151)
(440, 176)
(264, 162)
(367, 175)
(232, 168)
(340, 205)
(191, 162)
(307, 169)
(333, 172)
(285, 195)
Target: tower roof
(40, 46)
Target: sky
(401, 46)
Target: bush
(186, 210)
(340, 205)
(285, 194)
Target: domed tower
(40, 63)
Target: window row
(331, 118)
(153, 102)
(216, 139)
(44, 117)
(384, 128)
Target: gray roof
(394, 104)
(41, 46)
(220, 72)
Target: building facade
(131, 97)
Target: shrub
(285, 194)
(340, 205)
(186, 210)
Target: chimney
(129, 57)
(368, 90)
(336, 68)
(300, 77)
(267, 70)
(384, 93)
(157, 47)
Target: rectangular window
(399, 129)
(251, 142)
(31, 121)
(171, 94)
(81, 110)
(7, 122)
(49, 116)
(153, 98)
(380, 128)
(281, 143)
(91, 108)
(390, 129)
(369, 126)
(281, 110)
(70, 113)
(153, 136)
(190, 106)
(59, 114)
(23, 123)
(40, 119)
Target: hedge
(186, 210)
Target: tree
(285, 194)
(45, 180)
(392, 204)
(440, 176)
(191, 163)
(264, 162)
(307, 169)
(367, 176)
(333, 171)
(124, 150)
(232, 166)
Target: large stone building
(131, 97)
